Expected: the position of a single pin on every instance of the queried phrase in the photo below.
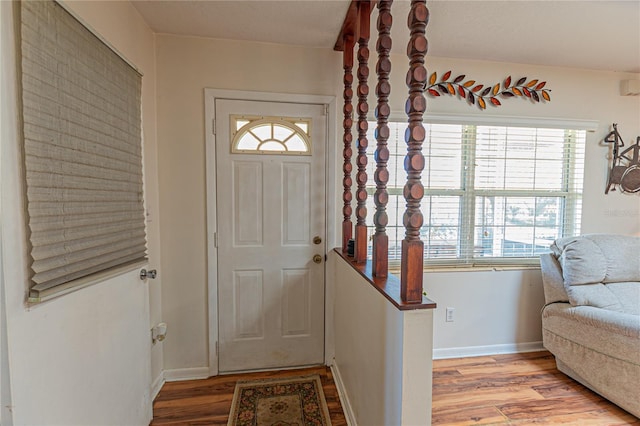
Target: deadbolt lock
(317, 258)
(317, 240)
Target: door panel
(270, 208)
(247, 203)
(297, 204)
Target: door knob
(317, 258)
(317, 240)
(144, 274)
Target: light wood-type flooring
(518, 389)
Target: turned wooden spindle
(364, 10)
(412, 246)
(347, 138)
(380, 261)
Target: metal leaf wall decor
(482, 95)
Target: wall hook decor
(625, 166)
(480, 95)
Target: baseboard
(157, 385)
(342, 393)
(469, 351)
(177, 374)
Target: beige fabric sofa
(591, 318)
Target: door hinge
(217, 349)
(214, 125)
(215, 239)
(326, 109)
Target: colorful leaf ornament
(483, 95)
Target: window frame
(468, 194)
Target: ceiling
(599, 35)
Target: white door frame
(210, 96)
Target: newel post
(412, 246)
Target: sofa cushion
(601, 270)
(628, 294)
(598, 258)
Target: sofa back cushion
(598, 258)
(601, 270)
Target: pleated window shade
(494, 194)
(82, 151)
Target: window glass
(492, 193)
(270, 135)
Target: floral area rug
(291, 401)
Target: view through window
(493, 194)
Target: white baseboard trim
(469, 351)
(157, 385)
(342, 393)
(178, 374)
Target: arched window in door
(270, 135)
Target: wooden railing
(356, 26)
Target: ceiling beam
(351, 23)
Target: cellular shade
(82, 150)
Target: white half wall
(382, 354)
(83, 358)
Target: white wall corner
(417, 367)
(344, 397)
(156, 386)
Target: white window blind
(493, 194)
(82, 150)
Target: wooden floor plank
(208, 401)
(516, 389)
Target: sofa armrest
(552, 280)
(612, 322)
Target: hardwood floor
(208, 401)
(518, 389)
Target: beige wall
(123, 27)
(499, 311)
(73, 359)
(186, 66)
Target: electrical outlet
(449, 317)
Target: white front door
(270, 162)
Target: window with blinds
(493, 194)
(82, 151)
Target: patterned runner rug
(291, 401)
